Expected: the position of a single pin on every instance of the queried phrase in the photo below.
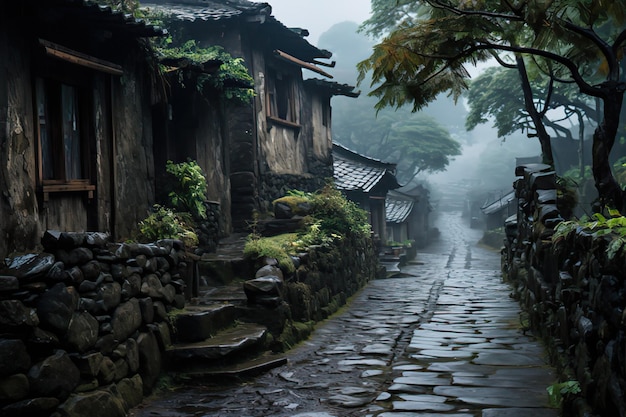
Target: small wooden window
(281, 99)
(61, 120)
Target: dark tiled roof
(64, 13)
(397, 209)
(333, 88)
(355, 172)
(191, 10)
(499, 204)
(280, 36)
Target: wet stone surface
(443, 341)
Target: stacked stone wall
(574, 294)
(275, 186)
(84, 324)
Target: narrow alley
(446, 339)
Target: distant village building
(408, 215)
(366, 181)
(283, 139)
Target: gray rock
(79, 256)
(56, 307)
(163, 335)
(121, 250)
(118, 271)
(82, 332)
(264, 290)
(147, 309)
(160, 312)
(91, 269)
(56, 376)
(131, 390)
(9, 283)
(168, 292)
(99, 403)
(126, 319)
(14, 313)
(106, 344)
(14, 387)
(150, 360)
(132, 355)
(121, 369)
(13, 357)
(89, 364)
(57, 272)
(131, 287)
(75, 275)
(111, 295)
(31, 407)
(269, 270)
(106, 374)
(151, 286)
(97, 239)
(45, 338)
(29, 266)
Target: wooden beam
(81, 59)
(301, 63)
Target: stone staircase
(218, 334)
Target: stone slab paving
(472, 357)
(443, 341)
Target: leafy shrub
(278, 247)
(190, 192)
(337, 214)
(164, 223)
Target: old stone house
(282, 139)
(75, 120)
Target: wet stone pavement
(444, 341)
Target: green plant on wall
(190, 192)
(557, 392)
(232, 80)
(164, 223)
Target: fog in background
(487, 162)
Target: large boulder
(150, 360)
(13, 357)
(56, 307)
(126, 319)
(56, 376)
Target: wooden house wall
(118, 160)
(19, 212)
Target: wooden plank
(81, 59)
(301, 63)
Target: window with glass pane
(59, 130)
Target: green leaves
(190, 192)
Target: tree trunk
(603, 140)
(542, 133)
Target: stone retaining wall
(83, 324)
(574, 294)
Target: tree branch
(440, 5)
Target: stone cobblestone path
(445, 340)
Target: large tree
(491, 98)
(429, 42)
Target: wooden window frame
(79, 79)
(284, 81)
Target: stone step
(246, 367)
(227, 346)
(200, 322)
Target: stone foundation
(84, 324)
(574, 294)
